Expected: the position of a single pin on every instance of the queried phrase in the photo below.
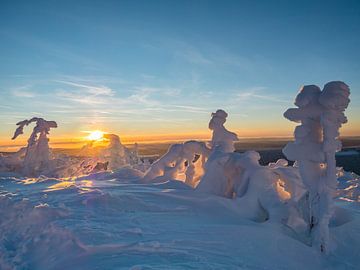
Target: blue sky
(142, 68)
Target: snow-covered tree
(37, 154)
(321, 114)
(221, 137)
(183, 161)
(188, 161)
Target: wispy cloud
(194, 56)
(23, 91)
(211, 55)
(168, 91)
(256, 93)
(85, 93)
(91, 89)
(79, 97)
(192, 109)
(184, 51)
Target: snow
(106, 222)
(221, 137)
(37, 153)
(183, 161)
(37, 158)
(199, 206)
(187, 161)
(321, 114)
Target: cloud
(80, 97)
(144, 95)
(192, 55)
(23, 92)
(192, 109)
(211, 55)
(253, 94)
(91, 89)
(85, 93)
(186, 52)
(168, 91)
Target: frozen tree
(195, 155)
(183, 161)
(262, 192)
(321, 114)
(221, 137)
(37, 156)
(114, 152)
(186, 161)
(117, 154)
(167, 161)
(334, 99)
(87, 149)
(215, 180)
(134, 155)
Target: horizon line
(78, 142)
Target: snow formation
(196, 190)
(36, 156)
(117, 154)
(183, 161)
(300, 197)
(321, 114)
(186, 161)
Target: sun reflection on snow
(86, 186)
(280, 188)
(29, 181)
(60, 186)
(83, 186)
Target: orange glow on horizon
(73, 140)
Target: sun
(95, 135)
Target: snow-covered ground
(112, 221)
(113, 210)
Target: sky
(157, 69)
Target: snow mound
(29, 233)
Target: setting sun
(95, 135)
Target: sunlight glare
(95, 135)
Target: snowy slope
(106, 222)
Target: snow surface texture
(111, 221)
